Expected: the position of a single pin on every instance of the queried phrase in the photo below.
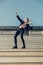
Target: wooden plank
(21, 59)
(21, 54)
(21, 64)
(22, 50)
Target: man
(23, 26)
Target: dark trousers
(21, 32)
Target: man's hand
(16, 13)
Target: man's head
(26, 20)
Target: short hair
(27, 20)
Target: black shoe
(23, 47)
(14, 47)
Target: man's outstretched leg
(15, 38)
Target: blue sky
(33, 9)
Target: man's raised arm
(21, 21)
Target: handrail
(13, 28)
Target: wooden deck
(32, 55)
